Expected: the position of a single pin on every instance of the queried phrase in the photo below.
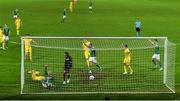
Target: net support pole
(22, 64)
(165, 60)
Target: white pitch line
(9, 84)
(13, 42)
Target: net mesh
(171, 57)
(110, 55)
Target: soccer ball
(91, 77)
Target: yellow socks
(125, 70)
(131, 71)
(87, 61)
(18, 32)
(3, 45)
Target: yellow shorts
(127, 61)
(87, 54)
(70, 7)
(17, 27)
(38, 78)
(28, 50)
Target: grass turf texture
(109, 18)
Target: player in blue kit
(138, 27)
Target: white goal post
(146, 77)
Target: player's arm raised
(151, 42)
(34, 42)
(86, 44)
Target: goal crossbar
(94, 37)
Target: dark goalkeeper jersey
(68, 62)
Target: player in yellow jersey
(86, 47)
(71, 6)
(18, 24)
(47, 79)
(1, 38)
(127, 60)
(28, 49)
(35, 75)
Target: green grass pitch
(109, 18)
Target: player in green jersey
(156, 55)
(90, 6)
(6, 35)
(49, 79)
(92, 58)
(64, 16)
(15, 13)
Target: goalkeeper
(49, 79)
(67, 67)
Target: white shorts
(93, 59)
(15, 16)
(64, 17)
(6, 38)
(90, 7)
(156, 56)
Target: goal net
(44, 73)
